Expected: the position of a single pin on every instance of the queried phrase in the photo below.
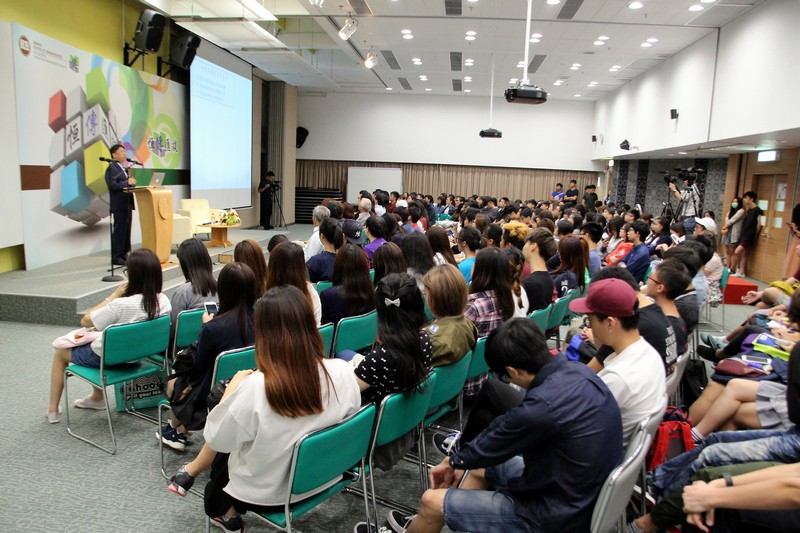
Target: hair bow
(387, 302)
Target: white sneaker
(88, 403)
(54, 418)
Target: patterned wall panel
(622, 181)
(641, 182)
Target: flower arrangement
(229, 217)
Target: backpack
(673, 437)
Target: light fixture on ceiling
(316, 3)
(636, 5)
(349, 28)
(491, 132)
(525, 92)
(553, 2)
(696, 7)
(371, 59)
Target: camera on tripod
(276, 185)
(690, 174)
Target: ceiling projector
(526, 94)
(491, 133)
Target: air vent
(535, 63)
(455, 61)
(360, 8)
(404, 83)
(388, 55)
(452, 8)
(569, 10)
(457, 86)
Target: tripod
(112, 277)
(667, 211)
(276, 198)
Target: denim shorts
(488, 510)
(84, 355)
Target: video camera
(690, 174)
(276, 185)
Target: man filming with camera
(690, 201)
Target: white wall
(444, 129)
(10, 191)
(756, 89)
(639, 110)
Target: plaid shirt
(482, 311)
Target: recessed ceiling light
(574, 68)
(469, 60)
(467, 90)
(599, 43)
(576, 64)
(427, 88)
(696, 7)
(681, 153)
(405, 32)
(553, 2)
(388, 88)
(534, 40)
(645, 45)
(592, 84)
(423, 77)
(652, 40)
(408, 36)
(616, 67)
(636, 5)
(470, 37)
(536, 36)
(603, 38)
(576, 95)
(472, 1)
(416, 59)
(472, 32)
(707, 1)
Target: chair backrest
(356, 332)
(723, 281)
(322, 285)
(400, 412)
(618, 487)
(372, 274)
(187, 327)
(674, 379)
(541, 317)
(124, 343)
(326, 332)
(450, 380)
(560, 309)
(477, 365)
(325, 454)
(230, 362)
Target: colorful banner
(71, 107)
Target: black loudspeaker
(594, 138)
(302, 134)
(673, 114)
(625, 145)
(149, 31)
(183, 50)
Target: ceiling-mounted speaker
(183, 50)
(673, 114)
(594, 138)
(149, 31)
(302, 135)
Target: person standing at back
(265, 188)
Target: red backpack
(673, 437)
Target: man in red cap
(635, 371)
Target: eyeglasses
(654, 280)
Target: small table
(219, 235)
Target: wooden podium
(155, 217)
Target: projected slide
(221, 126)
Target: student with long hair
(294, 391)
(351, 293)
(452, 334)
(440, 244)
(287, 267)
(491, 299)
(731, 229)
(230, 328)
(622, 249)
(388, 259)
(571, 272)
(401, 356)
(393, 232)
(320, 266)
(419, 255)
(200, 286)
(659, 235)
(138, 299)
(516, 263)
(250, 253)
(539, 246)
(612, 237)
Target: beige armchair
(181, 229)
(198, 213)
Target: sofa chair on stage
(198, 212)
(181, 229)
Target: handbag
(733, 366)
(184, 360)
(76, 337)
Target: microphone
(107, 160)
(133, 161)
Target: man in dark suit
(266, 188)
(117, 180)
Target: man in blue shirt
(540, 465)
(638, 259)
(558, 194)
(469, 242)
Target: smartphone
(760, 359)
(211, 308)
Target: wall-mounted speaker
(302, 134)
(183, 50)
(594, 138)
(673, 114)
(149, 31)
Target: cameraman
(266, 188)
(690, 202)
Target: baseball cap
(607, 297)
(708, 223)
(353, 231)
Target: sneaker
(172, 437)
(54, 418)
(715, 342)
(446, 444)
(233, 524)
(398, 522)
(708, 353)
(181, 482)
(88, 403)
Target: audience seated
(591, 233)
(320, 266)
(138, 299)
(452, 334)
(286, 267)
(388, 259)
(516, 262)
(250, 253)
(469, 242)
(351, 293)
(200, 286)
(638, 259)
(419, 256)
(314, 246)
(374, 229)
(571, 271)
(539, 246)
(622, 248)
(440, 244)
(230, 328)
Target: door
(767, 262)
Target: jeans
(725, 448)
(689, 223)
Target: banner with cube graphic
(71, 107)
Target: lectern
(155, 217)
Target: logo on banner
(24, 46)
(74, 63)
